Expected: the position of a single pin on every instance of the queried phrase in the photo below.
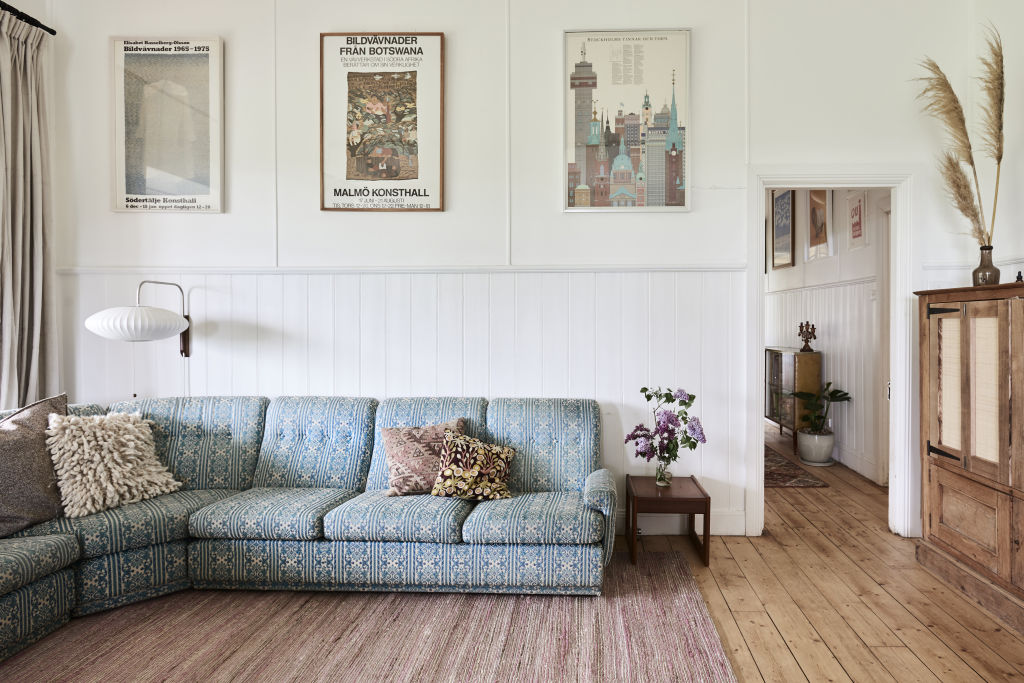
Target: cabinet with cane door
(972, 440)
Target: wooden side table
(684, 497)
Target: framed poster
(819, 219)
(782, 229)
(626, 121)
(382, 121)
(855, 205)
(168, 124)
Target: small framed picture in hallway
(782, 229)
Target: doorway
(897, 462)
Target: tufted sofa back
(208, 442)
(316, 442)
(420, 412)
(557, 440)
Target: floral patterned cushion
(537, 518)
(472, 469)
(414, 455)
(24, 560)
(375, 516)
(269, 513)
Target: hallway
(829, 594)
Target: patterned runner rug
(780, 472)
(651, 624)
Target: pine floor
(829, 594)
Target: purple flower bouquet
(673, 428)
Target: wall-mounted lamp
(142, 323)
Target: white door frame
(904, 469)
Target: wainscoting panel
(846, 317)
(598, 335)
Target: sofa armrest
(599, 494)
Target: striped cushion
(23, 560)
(32, 611)
(316, 442)
(121, 578)
(157, 520)
(541, 518)
(557, 440)
(420, 412)
(208, 442)
(270, 513)
(374, 516)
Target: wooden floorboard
(828, 593)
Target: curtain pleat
(28, 322)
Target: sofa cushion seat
(136, 525)
(287, 514)
(552, 517)
(375, 516)
(24, 560)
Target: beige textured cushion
(28, 486)
(105, 461)
(414, 455)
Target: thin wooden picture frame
(382, 137)
(783, 232)
(857, 229)
(820, 224)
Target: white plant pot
(815, 449)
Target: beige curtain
(28, 323)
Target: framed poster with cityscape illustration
(382, 121)
(167, 124)
(626, 121)
(782, 229)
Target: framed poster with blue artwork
(782, 229)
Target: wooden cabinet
(972, 364)
(788, 370)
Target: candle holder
(807, 333)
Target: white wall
(843, 295)
(765, 93)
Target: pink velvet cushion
(414, 456)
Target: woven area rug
(651, 624)
(780, 472)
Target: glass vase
(985, 273)
(662, 477)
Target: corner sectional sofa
(289, 494)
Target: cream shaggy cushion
(105, 461)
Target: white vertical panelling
(502, 335)
(476, 334)
(398, 343)
(320, 336)
(373, 332)
(554, 334)
(215, 328)
(347, 334)
(529, 353)
(424, 335)
(245, 334)
(295, 335)
(846, 319)
(450, 334)
(593, 334)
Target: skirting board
(723, 523)
(972, 585)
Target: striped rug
(651, 624)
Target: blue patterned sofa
(300, 505)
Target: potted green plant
(815, 441)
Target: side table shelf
(684, 497)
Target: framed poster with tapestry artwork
(168, 124)
(382, 121)
(782, 229)
(626, 122)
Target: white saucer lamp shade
(143, 323)
(136, 323)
